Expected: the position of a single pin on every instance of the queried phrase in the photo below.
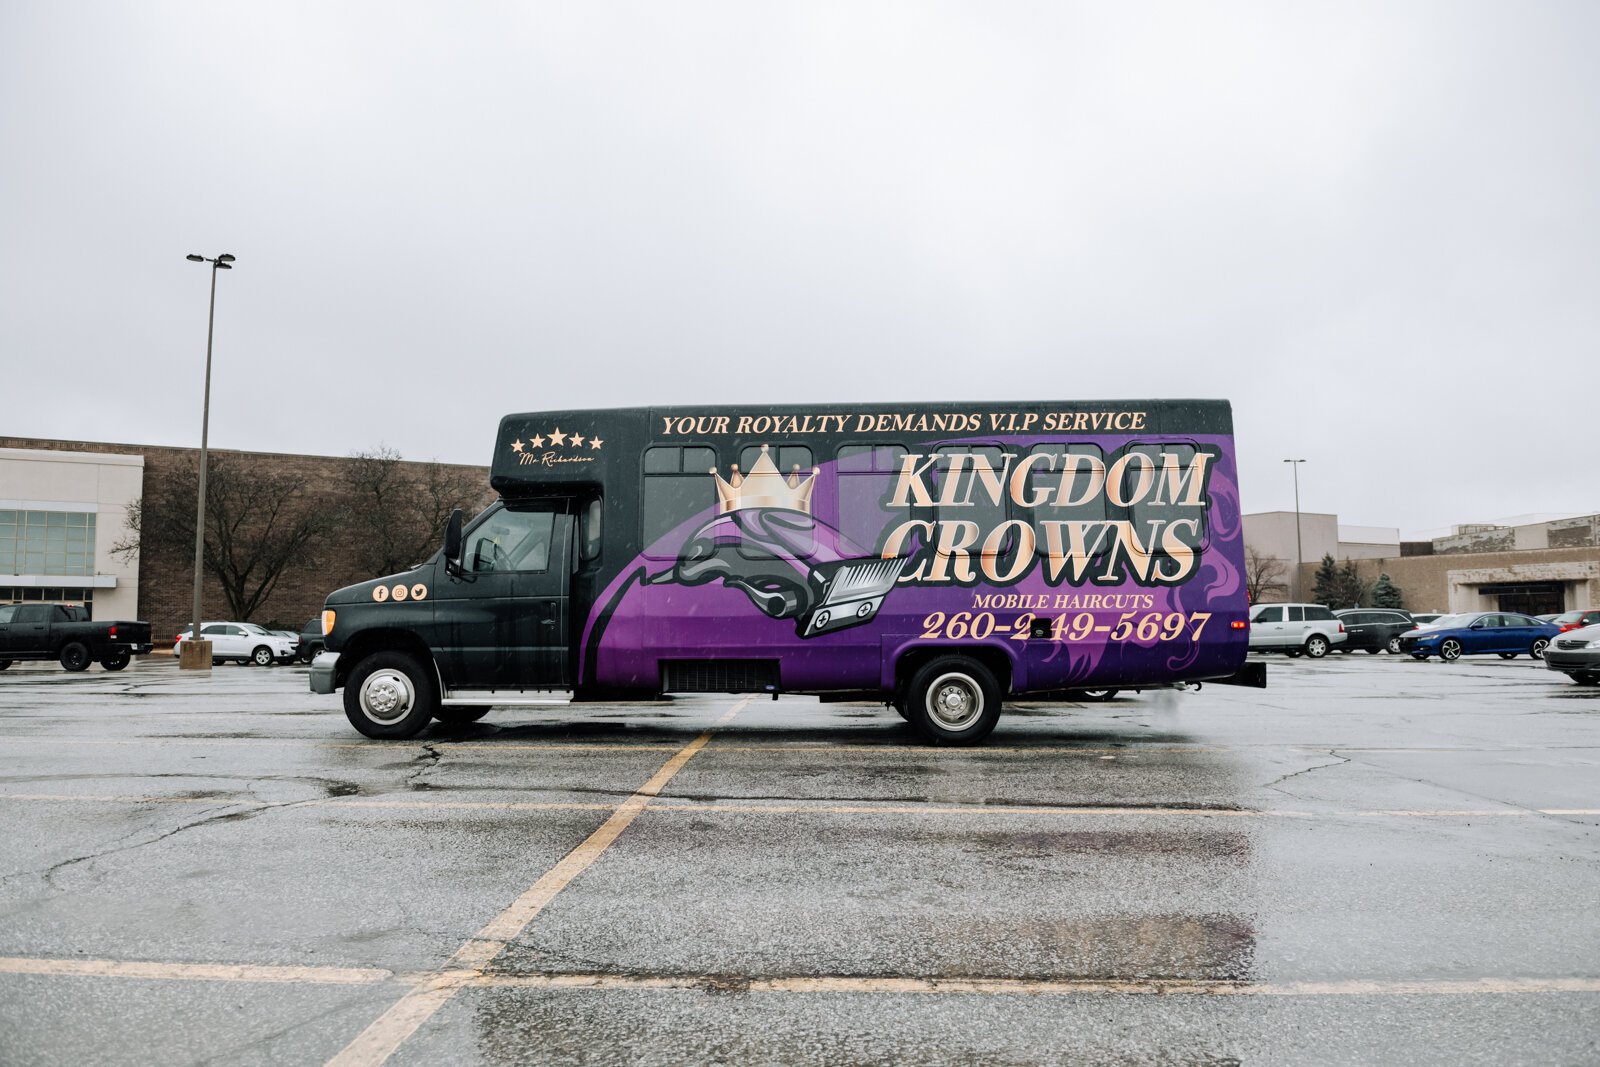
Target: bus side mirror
(452, 543)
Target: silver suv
(1295, 628)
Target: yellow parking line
(378, 1041)
(200, 972)
(1202, 813)
(433, 990)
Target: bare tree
(396, 511)
(257, 523)
(1263, 575)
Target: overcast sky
(1373, 227)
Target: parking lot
(1372, 860)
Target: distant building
(64, 506)
(1537, 568)
(60, 515)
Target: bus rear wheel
(390, 696)
(953, 700)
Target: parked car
(311, 639)
(1478, 632)
(1574, 620)
(1295, 628)
(1576, 653)
(244, 642)
(62, 632)
(1374, 629)
(292, 636)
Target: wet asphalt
(1374, 860)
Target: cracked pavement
(1366, 820)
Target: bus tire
(75, 657)
(390, 696)
(460, 716)
(953, 700)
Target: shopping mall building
(64, 510)
(1535, 567)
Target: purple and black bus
(936, 557)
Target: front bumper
(1572, 660)
(324, 672)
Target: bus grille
(719, 675)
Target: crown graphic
(765, 487)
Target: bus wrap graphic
(765, 542)
(1086, 571)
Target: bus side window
(1172, 466)
(678, 486)
(794, 463)
(1079, 500)
(866, 480)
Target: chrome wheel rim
(1449, 650)
(387, 696)
(954, 701)
(1537, 652)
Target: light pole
(1299, 551)
(195, 656)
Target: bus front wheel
(953, 700)
(390, 696)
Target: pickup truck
(56, 631)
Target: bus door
(504, 624)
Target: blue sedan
(1477, 632)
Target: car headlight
(1593, 644)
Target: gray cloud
(1371, 226)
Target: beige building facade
(1536, 568)
(1550, 579)
(61, 513)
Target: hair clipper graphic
(765, 543)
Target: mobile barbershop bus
(936, 557)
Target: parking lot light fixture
(195, 654)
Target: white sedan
(244, 642)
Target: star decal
(577, 440)
(594, 442)
(516, 446)
(557, 437)
(537, 442)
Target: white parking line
(1043, 987)
(822, 807)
